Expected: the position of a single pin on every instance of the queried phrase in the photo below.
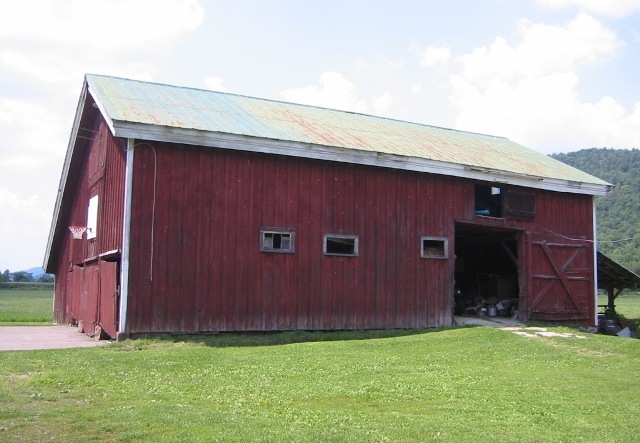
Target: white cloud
(46, 46)
(55, 41)
(215, 83)
(529, 91)
(382, 103)
(28, 223)
(543, 50)
(333, 90)
(105, 25)
(612, 8)
(434, 56)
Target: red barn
(207, 211)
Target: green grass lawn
(473, 384)
(627, 304)
(26, 306)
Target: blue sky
(554, 75)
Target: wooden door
(561, 278)
(90, 295)
(108, 316)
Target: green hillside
(618, 214)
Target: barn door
(90, 299)
(561, 278)
(73, 296)
(108, 297)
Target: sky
(553, 75)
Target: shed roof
(152, 111)
(613, 274)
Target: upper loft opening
(488, 201)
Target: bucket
(492, 311)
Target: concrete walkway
(496, 322)
(22, 338)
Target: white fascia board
(65, 173)
(320, 152)
(102, 109)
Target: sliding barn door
(561, 278)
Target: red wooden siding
(561, 260)
(209, 207)
(80, 267)
(195, 263)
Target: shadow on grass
(275, 338)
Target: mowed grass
(627, 304)
(26, 306)
(473, 384)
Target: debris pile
(611, 323)
(487, 307)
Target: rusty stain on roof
(187, 108)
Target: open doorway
(486, 272)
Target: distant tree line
(24, 277)
(618, 214)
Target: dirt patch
(534, 332)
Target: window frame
(356, 244)
(278, 231)
(445, 247)
(92, 217)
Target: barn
(182, 210)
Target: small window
(336, 244)
(92, 218)
(277, 240)
(434, 247)
(488, 201)
(520, 204)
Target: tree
(5, 276)
(46, 278)
(22, 276)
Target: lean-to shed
(207, 211)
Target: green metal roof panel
(140, 102)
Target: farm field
(26, 306)
(465, 385)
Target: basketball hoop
(77, 231)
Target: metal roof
(138, 109)
(613, 274)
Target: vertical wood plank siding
(99, 170)
(208, 272)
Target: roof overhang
(332, 153)
(73, 138)
(144, 131)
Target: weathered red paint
(211, 203)
(98, 169)
(195, 263)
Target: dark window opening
(488, 201)
(341, 245)
(434, 247)
(276, 241)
